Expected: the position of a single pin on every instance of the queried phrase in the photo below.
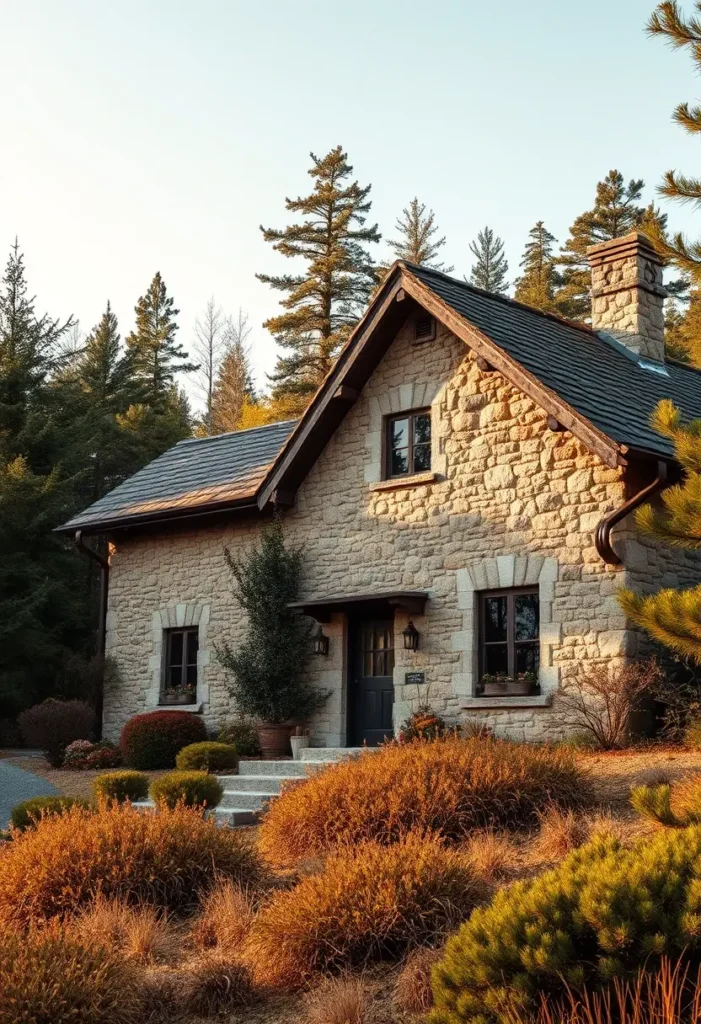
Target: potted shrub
(268, 669)
(508, 686)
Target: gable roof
(197, 473)
(591, 384)
(599, 378)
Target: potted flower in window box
(502, 685)
(269, 667)
(179, 695)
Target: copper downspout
(104, 584)
(602, 536)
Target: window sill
(536, 700)
(195, 708)
(401, 482)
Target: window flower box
(521, 685)
(179, 695)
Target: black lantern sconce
(411, 637)
(321, 643)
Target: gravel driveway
(17, 785)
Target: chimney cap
(626, 245)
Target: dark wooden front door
(372, 685)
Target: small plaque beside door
(414, 678)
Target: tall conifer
(155, 353)
(489, 272)
(417, 242)
(667, 21)
(322, 305)
(233, 386)
(536, 286)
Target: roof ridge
(506, 299)
(230, 433)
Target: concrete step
(254, 801)
(262, 783)
(286, 768)
(225, 816)
(330, 754)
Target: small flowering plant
(82, 755)
(423, 724)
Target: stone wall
(506, 496)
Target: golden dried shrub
(369, 903)
(163, 858)
(449, 786)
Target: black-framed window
(409, 443)
(180, 668)
(509, 634)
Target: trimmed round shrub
(53, 724)
(207, 757)
(241, 735)
(368, 903)
(153, 740)
(164, 858)
(450, 786)
(194, 789)
(30, 811)
(121, 786)
(82, 755)
(49, 975)
(601, 914)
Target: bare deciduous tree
(208, 346)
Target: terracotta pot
(274, 740)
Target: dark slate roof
(198, 471)
(596, 377)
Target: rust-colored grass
(340, 1001)
(141, 933)
(669, 995)
(412, 990)
(163, 858)
(449, 786)
(227, 913)
(370, 903)
(50, 974)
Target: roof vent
(424, 328)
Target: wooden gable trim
(485, 349)
(357, 361)
(342, 385)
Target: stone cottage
(461, 484)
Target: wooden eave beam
(484, 348)
(350, 372)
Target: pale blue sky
(158, 134)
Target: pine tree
(673, 617)
(417, 243)
(489, 272)
(617, 211)
(155, 353)
(42, 605)
(683, 329)
(233, 385)
(322, 305)
(536, 287)
(667, 21)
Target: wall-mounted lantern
(411, 637)
(321, 642)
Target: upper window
(180, 682)
(509, 641)
(409, 443)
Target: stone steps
(247, 794)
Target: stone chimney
(627, 294)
